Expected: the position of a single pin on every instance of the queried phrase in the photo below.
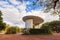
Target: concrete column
(29, 23)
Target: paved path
(29, 37)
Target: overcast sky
(14, 10)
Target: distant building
(32, 21)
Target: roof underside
(36, 19)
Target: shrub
(55, 26)
(39, 31)
(52, 26)
(46, 26)
(21, 30)
(26, 31)
(36, 31)
(12, 30)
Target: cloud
(46, 16)
(14, 12)
(11, 14)
(14, 2)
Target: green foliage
(0, 13)
(17, 29)
(39, 31)
(52, 26)
(2, 25)
(12, 30)
(55, 26)
(47, 26)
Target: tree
(13, 30)
(55, 4)
(55, 25)
(2, 25)
(52, 26)
(47, 26)
(50, 4)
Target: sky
(14, 10)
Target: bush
(53, 26)
(36, 31)
(47, 26)
(12, 30)
(39, 31)
(26, 31)
(21, 30)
